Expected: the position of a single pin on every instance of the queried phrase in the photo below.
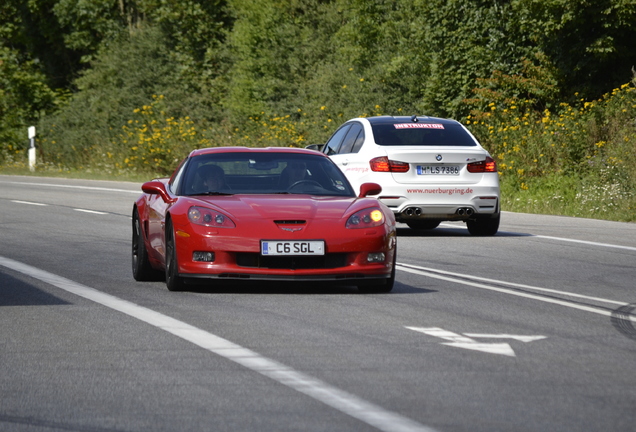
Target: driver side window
(354, 136)
(333, 145)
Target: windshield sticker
(419, 126)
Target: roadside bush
(152, 141)
(577, 159)
(123, 78)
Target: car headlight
(367, 218)
(208, 217)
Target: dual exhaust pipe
(416, 211)
(465, 211)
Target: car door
(347, 157)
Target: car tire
(484, 227)
(141, 268)
(426, 224)
(174, 282)
(386, 285)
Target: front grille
(326, 261)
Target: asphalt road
(531, 330)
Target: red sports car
(237, 213)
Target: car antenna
(414, 119)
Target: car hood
(282, 207)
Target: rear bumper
(477, 207)
(441, 202)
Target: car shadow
(291, 288)
(16, 292)
(459, 231)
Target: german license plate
(293, 247)
(438, 169)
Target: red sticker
(419, 126)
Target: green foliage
(123, 78)
(576, 159)
(24, 96)
(540, 80)
(591, 43)
(152, 141)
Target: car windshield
(263, 173)
(421, 134)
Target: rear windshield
(422, 134)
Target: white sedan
(430, 169)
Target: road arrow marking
(520, 338)
(491, 348)
(465, 341)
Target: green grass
(570, 196)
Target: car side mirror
(367, 189)
(317, 147)
(158, 188)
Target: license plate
(438, 169)
(295, 247)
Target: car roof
(237, 149)
(380, 120)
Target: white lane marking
(340, 400)
(90, 211)
(30, 203)
(516, 285)
(460, 341)
(74, 187)
(46, 205)
(591, 243)
(437, 274)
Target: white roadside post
(32, 148)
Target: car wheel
(141, 268)
(483, 227)
(426, 224)
(173, 281)
(386, 285)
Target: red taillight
(383, 164)
(488, 165)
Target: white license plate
(295, 247)
(438, 169)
